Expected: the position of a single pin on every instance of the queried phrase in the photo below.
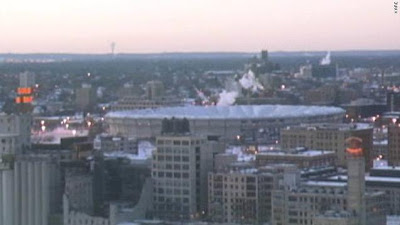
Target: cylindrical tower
(356, 179)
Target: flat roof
(229, 112)
(326, 183)
(297, 153)
(370, 178)
(331, 126)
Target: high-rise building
(394, 145)
(85, 97)
(179, 170)
(133, 102)
(264, 55)
(324, 71)
(27, 79)
(24, 186)
(154, 98)
(243, 194)
(25, 92)
(109, 143)
(302, 157)
(154, 89)
(356, 179)
(15, 133)
(78, 188)
(393, 100)
(330, 137)
(332, 202)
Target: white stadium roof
(229, 112)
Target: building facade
(393, 145)
(133, 103)
(312, 202)
(179, 170)
(15, 133)
(243, 195)
(329, 137)
(85, 97)
(78, 188)
(301, 157)
(24, 186)
(109, 143)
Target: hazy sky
(196, 25)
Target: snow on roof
(229, 112)
(145, 150)
(381, 142)
(387, 168)
(55, 136)
(370, 178)
(392, 220)
(297, 153)
(331, 126)
(326, 183)
(241, 155)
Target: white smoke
(249, 81)
(227, 98)
(201, 95)
(100, 92)
(326, 60)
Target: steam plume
(249, 81)
(227, 98)
(326, 60)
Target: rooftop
(297, 153)
(145, 151)
(332, 126)
(55, 136)
(369, 178)
(229, 112)
(326, 183)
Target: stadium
(249, 123)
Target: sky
(146, 26)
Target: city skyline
(155, 26)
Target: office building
(154, 89)
(326, 202)
(78, 188)
(15, 133)
(393, 100)
(134, 103)
(329, 137)
(384, 179)
(302, 157)
(325, 95)
(179, 170)
(74, 217)
(363, 108)
(243, 195)
(324, 71)
(85, 98)
(26, 79)
(109, 143)
(393, 145)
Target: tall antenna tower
(113, 48)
